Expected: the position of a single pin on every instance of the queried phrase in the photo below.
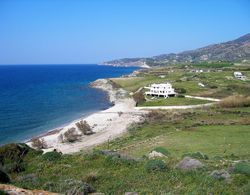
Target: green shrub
(243, 168)
(12, 155)
(162, 150)
(181, 90)
(3, 193)
(52, 156)
(4, 178)
(213, 87)
(197, 155)
(155, 165)
(180, 96)
(118, 160)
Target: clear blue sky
(92, 31)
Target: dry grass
(235, 101)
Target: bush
(52, 156)
(84, 127)
(12, 155)
(155, 165)
(71, 135)
(243, 168)
(162, 150)
(4, 178)
(91, 177)
(155, 115)
(139, 97)
(180, 96)
(3, 192)
(77, 187)
(197, 155)
(235, 101)
(39, 143)
(69, 186)
(181, 90)
(213, 87)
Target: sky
(93, 31)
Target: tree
(71, 135)
(84, 127)
(39, 143)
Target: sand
(106, 125)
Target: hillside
(236, 50)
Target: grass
(218, 84)
(235, 101)
(174, 101)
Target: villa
(239, 75)
(161, 90)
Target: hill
(235, 50)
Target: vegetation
(176, 101)
(235, 101)
(139, 97)
(52, 156)
(243, 167)
(84, 127)
(71, 135)
(217, 64)
(218, 83)
(39, 143)
(155, 165)
(162, 150)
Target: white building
(161, 90)
(239, 75)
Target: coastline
(106, 124)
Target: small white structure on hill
(161, 90)
(239, 75)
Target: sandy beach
(106, 125)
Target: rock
(155, 154)
(189, 164)
(131, 193)
(4, 178)
(231, 169)
(97, 193)
(10, 189)
(221, 175)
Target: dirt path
(173, 107)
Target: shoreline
(106, 124)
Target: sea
(37, 98)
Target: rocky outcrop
(189, 163)
(155, 154)
(13, 190)
(221, 175)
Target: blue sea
(38, 98)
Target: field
(218, 83)
(177, 101)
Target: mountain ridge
(234, 50)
